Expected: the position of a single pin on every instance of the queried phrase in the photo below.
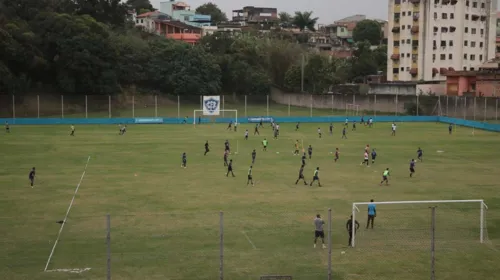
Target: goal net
(408, 224)
(352, 110)
(225, 116)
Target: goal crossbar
(223, 110)
(482, 207)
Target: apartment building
(428, 38)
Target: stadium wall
(256, 119)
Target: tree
(212, 10)
(304, 20)
(380, 56)
(285, 19)
(368, 30)
(363, 62)
(140, 6)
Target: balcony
(415, 2)
(415, 18)
(434, 71)
(395, 29)
(452, 28)
(483, 18)
(397, 8)
(454, 2)
(414, 30)
(414, 71)
(451, 69)
(446, 2)
(395, 56)
(396, 20)
(474, 17)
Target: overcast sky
(328, 11)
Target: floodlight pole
(433, 238)
(221, 249)
(330, 244)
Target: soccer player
(199, 120)
(319, 232)
(316, 177)
(72, 130)
(277, 129)
(250, 178)
(344, 136)
(372, 213)
(304, 159)
(337, 154)
(264, 144)
(230, 125)
(254, 154)
(246, 134)
(310, 151)
(450, 128)
(374, 156)
(301, 175)
(367, 148)
(412, 167)
(185, 120)
(319, 132)
(346, 122)
(32, 176)
(123, 129)
(225, 158)
(419, 154)
(385, 177)
(370, 122)
(353, 125)
(350, 229)
(256, 131)
(363, 120)
(365, 159)
(230, 168)
(393, 129)
(120, 129)
(226, 146)
(331, 129)
(184, 160)
(296, 151)
(7, 127)
(260, 123)
(235, 126)
(206, 148)
(297, 126)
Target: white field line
(70, 270)
(67, 213)
(248, 238)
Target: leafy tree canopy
(368, 30)
(212, 10)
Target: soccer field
(165, 219)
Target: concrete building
(182, 12)
(430, 38)
(254, 15)
(484, 82)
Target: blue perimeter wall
(336, 119)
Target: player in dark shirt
(199, 120)
(32, 176)
(184, 160)
(310, 151)
(344, 136)
(374, 155)
(260, 123)
(7, 127)
(304, 159)
(256, 131)
(337, 154)
(362, 120)
(230, 125)
(297, 126)
(331, 129)
(226, 147)
(225, 158)
(301, 175)
(412, 167)
(206, 148)
(185, 120)
(350, 229)
(354, 126)
(419, 154)
(254, 154)
(450, 128)
(230, 168)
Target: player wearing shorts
(301, 176)
(385, 177)
(250, 178)
(365, 159)
(316, 177)
(337, 154)
(318, 231)
(412, 167)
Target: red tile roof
(148, 14)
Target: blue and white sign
(148, 120)
(211, 105)
(260, 119)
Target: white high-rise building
(427, 38)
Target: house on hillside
(182, 12)
(164, 25)
(484, 82)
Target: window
(402, 69)
(136, 21)
(480, 44)
(466, 43)
(472, 31)
(472, 69)
(442, 57)
(482, 6)
(402, 55)
(435, 15)
(395, 70)
(444, 16)
(481, 31)
(450, 56)
(409, 13)
(402, 41)
(465, 56)
(408, 55)
(433, 57)
(409, 26)
(142, 21)
(472, 44)
(452, 16)
(396, 43)
(480, 57)
(414, 57)
(404, 13)
(408, 41)
(472, 57)
(465, 68)
(474, 4)
(466, 30)
(403, 27)
(450, 43)
(466, 16)
(443, 43)
(407, 68)
(467, 3)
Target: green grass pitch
(165, 219)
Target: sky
(328, 11)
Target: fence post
(109, 106)
(13, 106)
(86, 108)
(221, 245)
(417, 104)
(156, 106)
(38, 106)
(62, 106)
(332, 103)
(397, 100)
(447, 105)
(246, 116)
(496, 110)
(456, 105)
(433, 237)
(330, 244)
(223, 102)
(289, 105)
(465, 107)
(481, 224)
(108, 242)
(133, 106)
(311, 111)
(375, 105)
(267, 105)
(178, 107)
(474, 109)
(485, 105)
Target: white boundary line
(248, 238)
(65, 217)
(70, 270)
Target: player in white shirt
(370, 122)
(346, 122)
(246, 134)
(393, 129)
(319, 132)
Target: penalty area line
(70, 270)
(248, 238)
(66, 217)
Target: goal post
(199, 113)
(461, 220)
(352, 110)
